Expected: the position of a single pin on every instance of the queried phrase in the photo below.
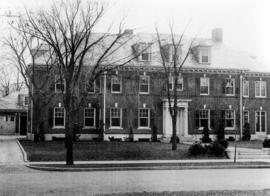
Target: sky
(245, 23)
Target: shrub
(224, 143)
(177, 139)
(206, 138)
(231, 139)
(217, 149)
(197, 149)
(266, 143)
(246, 132)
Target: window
(90, 86)
(116, 117)
(229, 119)
(116, 84)
(144, 84)
(260, 88)
(59, 117)
(89, 117)
(144, 118)
(12, 118)
(229, 86)
(204, 86)
(145, 52)
(260, 119)
(204, 118)
(26, 100)
(205, 55)
(179, 85)
(59, 84)
(245, 117)
(245, 88)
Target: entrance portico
(182, 118)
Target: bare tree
(173, 59)
(67, 28)
(5, 80)
(24, 49)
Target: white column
(186, 121)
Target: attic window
(205, 55)
(143, 51)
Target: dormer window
(205, 55)
(142, 51)
(170, 53)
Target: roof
(10, 102)
(222, 56)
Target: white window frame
(172, 85)
(260, 88)
(148, 84)
(116, 127)
(148, 118)
(94, 86)
(260, 111)
(245, 111)
(208, 114)
(245, 84)
(113, 82)
(232, 79)
(225, 118)
(208, 85)
(54, 126)
(84, 117)
(57, 80)
(202, 50)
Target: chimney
(217, 35)
(128, 31)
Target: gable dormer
(170, 52)
(142, 51)
(202, 54)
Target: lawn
(255, 144)
(87, 151)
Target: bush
(154, 134)
(246, 132)
(217, 149)
(231, 139)
(266, 143)
(197, 149)
(224, 143)
(206, 138)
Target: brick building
(217, 86)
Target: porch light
(59, 105)
(89, 105)
(144, 105)
(228, 85)
(116, 72)
(230, 107)
(204, 106)
(116, 105)
(260, 107)
(204, 75)
(144, 73)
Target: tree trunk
(69, 139)
(174, 143)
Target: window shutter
(224, 86)
(125, 123)
(237, 90)
(97, 117)
(135, 118)
(50, 117)
(212, 119)
(211, 84)
(98, 88)
(107, 123)
(109, 83)
(20, 100)
(52, 84)
(152, 117)
(197, 119)
(197, 86)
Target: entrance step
(246, 153)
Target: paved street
(28, 182)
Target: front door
(23, 124)
(260, 123)
(180, 128)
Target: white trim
(59, 127)
(209, 117)
(148, 118)
(244, 116)
(234, 119)
(260, 85)
(233, 79)
(208, 85)
(120, 83)
(148, 83)
(56, 81)
(121, 115)
(261, 132)
(89, 127)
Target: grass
(197, 193)
(255, 144)
(87, 151)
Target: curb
(23, 151)
(165, 167)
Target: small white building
(13, 113)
